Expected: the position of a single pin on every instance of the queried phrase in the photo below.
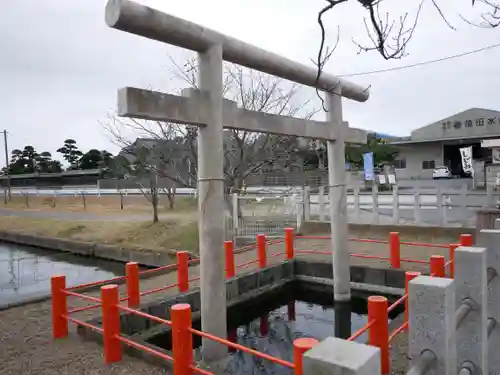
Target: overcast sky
(60, 65)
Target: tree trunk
(154, 198)
(154, 202)
(171, 197)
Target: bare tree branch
(490, 18)
(388, 37)
(173, 152)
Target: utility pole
(7, 173)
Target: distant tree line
(28, 160)
(316, 157)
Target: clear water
(25, 271)
(267, 325)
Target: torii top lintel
(153, 24)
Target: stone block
(395, 278)
(432, 322)
(490, 239)
(231, 290)
(287, 269)
(358, 274)
(341, 357)
(313, 269)
(247, 283)
(160, 310)
(267, 276)
(375, 276)
(471, 288)
(497, 223)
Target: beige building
(438, 144)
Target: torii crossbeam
(207, 109)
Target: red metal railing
(378, 311)
(109, 302)
(182, 346)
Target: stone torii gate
(208, 110)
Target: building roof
(473, 123)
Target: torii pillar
(211, 113)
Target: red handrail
(60, 294)
(146, 315)
(145, 348)
(242, 348)
(82, 296)
(398, 330)
(362, 330)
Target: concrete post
(471, 288)
(356, 204)
(463, 208)
(235, 213)
(416, 207)
(432, 323)
(300, 213)
(439, 206)
(490, 239)
(375, 202)
(306, 197)
(395, 204)
(341, 357)
(338, 201)
(211, 206)
(490, 200)
(321, 203)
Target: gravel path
(26, 346)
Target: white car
(441, 172)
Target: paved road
(454, 183)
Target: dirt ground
(26, 346)
(102, 205)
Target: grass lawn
(164, 235)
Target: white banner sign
(466, 154)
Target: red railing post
(466, 240)
(111, 323)
(378, 334)
(395, 249)
(264, 325)
(59, 307)
(232, 336)
(409, 276)
(453, 247)
(291, 310)
(230, 267)
(182, 339)
(437, 263)
(262, 250)
(133, 293)
(183, 271)
(300, 346)
(289, 239)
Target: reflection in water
(343, 320)
(25, 271)
(273, 333)
(271, 324)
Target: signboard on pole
(368, 166)
(466, 155)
